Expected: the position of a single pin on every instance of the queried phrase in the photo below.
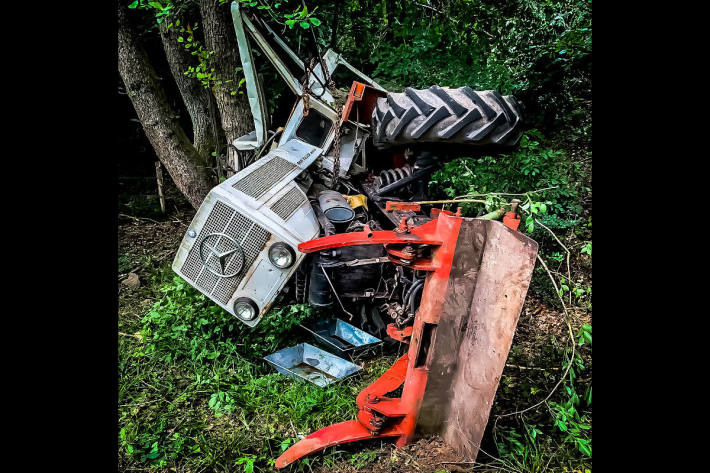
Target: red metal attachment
(402, 206)
(400, 335)
(361, 101)
(381, 416)
(435, 212)
(511, 220)
(440, 344)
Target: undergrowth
(551, 187)
(557, 436)
(194, 391)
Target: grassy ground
(195, 395)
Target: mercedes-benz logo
(219, 251)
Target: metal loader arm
(478, 275)
(259, 30)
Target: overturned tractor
(329, 211)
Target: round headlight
(281, 255)
(245, 308)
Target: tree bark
(234, 110)
(160, 123)
(194, 95)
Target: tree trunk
(194, 95)
(159, 121)
(334, 29)
(220, 37)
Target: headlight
(245, 308)
(281, 255)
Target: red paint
(400, 335)
(363, 98)
(435, 212)
(402, 206)
(336, 434)
(379, 415)
(511, 220)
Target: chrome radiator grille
(288, 203)
(263, 178)
(250, 236)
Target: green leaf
(315, 21)
(581, 443)
(133, 5)
(285, 444)
(305, 25)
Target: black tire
(441, 115)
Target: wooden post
(159, 177)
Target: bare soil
(143, 246)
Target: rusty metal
(361, 101)
(412, 206)
(478, 275)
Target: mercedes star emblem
(217, 260)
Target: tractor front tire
(441, 115)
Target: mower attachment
(478, 275)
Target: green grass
(195, 394)
(194, 391)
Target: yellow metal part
(355, 201)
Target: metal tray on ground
(304, 361)
(341, 337)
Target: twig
(505, 193)
(457, 426)
(138, 218)
(159, 179)
(139, 404)
(428, 6)
(530, 367)
(448, 201)
(131, 335)
(569, 277)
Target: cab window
(314, 128)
